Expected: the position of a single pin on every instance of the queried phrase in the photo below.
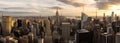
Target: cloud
(78, 4)
(56, 7)
(73, 3)
(16, 8)
(106, 5)
(103, 5)
(17, 12)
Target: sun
(114, 7)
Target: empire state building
(57, 17)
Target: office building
(11, 40)
(84, 36)
(25, 23)
(48, 35)
(19, 23)
(23, 39)
(6, 25)
(66, 31)
(117, 38)
(30, 38)
(107, 38)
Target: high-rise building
(11, 40)
(34, 30)
(66, 31)
(55, 35)
(96, 33)
(104, 23)
(57, 18)
(84, 36)
(23, 39)
(47, 27)
(104, 18)
(57, 15)
(19, 23)
(112, 16)
(6, 25)
(31, 38)
(109, 29)
(83, 19)
(107, 38)
(117, 38)
(2, 40)
(25, 23)
(38, 40)
(48, 36)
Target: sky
(66, 7)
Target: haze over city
(67, 7)
(59, 21)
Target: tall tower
(96, 13)
(65, 31)
(103, 14)
(112, 16)
(116, 17)
(6, 25)
(48, 36)
(104, 18)
(57, 13)
(57, 17)
(47, 27)
(25, 23)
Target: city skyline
(66, 7)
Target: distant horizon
(51, 15)
(66, 7)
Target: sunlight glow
(114, 7)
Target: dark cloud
(114, 0)
(55, 7)
(71, 2)
(78, 4)
(105, 5)
(17, 12)
(16, 8)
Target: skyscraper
(66, 31)
(25, 23)
(11, 40)
(117, 38)
(57, 17)
(112, 16)
(6, 25)
(83, 19)
(48, 36)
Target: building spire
(96, 12)
(103, 14)
(57, 13)
(112, 16)
(104, 17)
(112, 13)
(57, 17)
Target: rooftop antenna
(2, 14)
(104, 14)
(96, 12)
(116, 17)
(82, 16)
(104, 17)
(83, 9)
(112, 16)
